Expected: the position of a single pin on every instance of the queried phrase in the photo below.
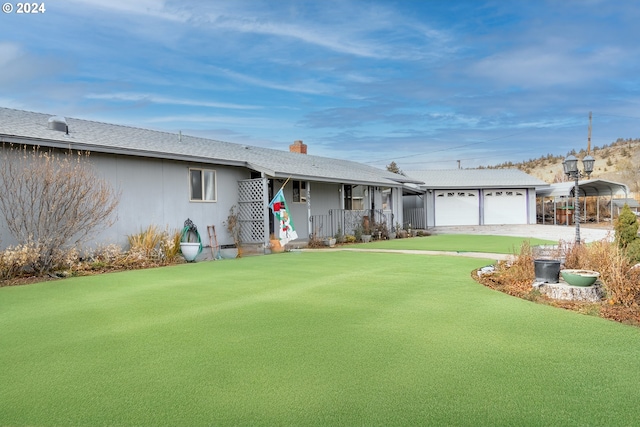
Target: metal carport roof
(592, 187)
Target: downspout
(309, 224)
(481, 207)
(265, 197)
(528, 206)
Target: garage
(457, 207)
(505, 206)
(473, 197)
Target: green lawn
(329, 338)
(458, 243)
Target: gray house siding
(156, 192)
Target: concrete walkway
(548, 232)
(497, 257)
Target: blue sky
(422, 83)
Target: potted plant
(190, 243)
(366, 230)
(233, 228)
(276, 247)
(330, 241)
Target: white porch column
(309, 225)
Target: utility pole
(589, 138)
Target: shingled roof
(475, 178)
(19, 126)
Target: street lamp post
(570, 165)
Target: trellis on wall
(251, 210)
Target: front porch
(376, 222)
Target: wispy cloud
(301, 86)
(158, 99)
(150, 8)
(539, 66)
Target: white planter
(331, 242)
(229, 252)
(189, 250)
(366, 238)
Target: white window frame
(204, 191)
(302, 191)
(387, 198)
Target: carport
(556, 200)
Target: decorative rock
(563, 291)
(486, 270)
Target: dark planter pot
(547, 270)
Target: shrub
(619, 279)
(52, 202)
(146, 242)
(349, 238)
(170, 246)
(380, 231)
(626, 227)
(104, 258)
(315, 242)
(633, 251)
(152, 246)
(19, 260)
(514, 277)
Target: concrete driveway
(588, 233)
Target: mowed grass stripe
(458, 243)
(307, 339)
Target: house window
(300, 191)
(353, 197)
(386, 198)
(202, 185)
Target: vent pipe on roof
(180, 136)
(58, 123)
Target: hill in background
(618, 161)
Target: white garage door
(457, 207)
(505, 206)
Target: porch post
(265, 197)
(309, 208)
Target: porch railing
(415, 217)
(342, 221)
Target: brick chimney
(298, 147)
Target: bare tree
(52, 201)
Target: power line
(616, 115)
(448, 148)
